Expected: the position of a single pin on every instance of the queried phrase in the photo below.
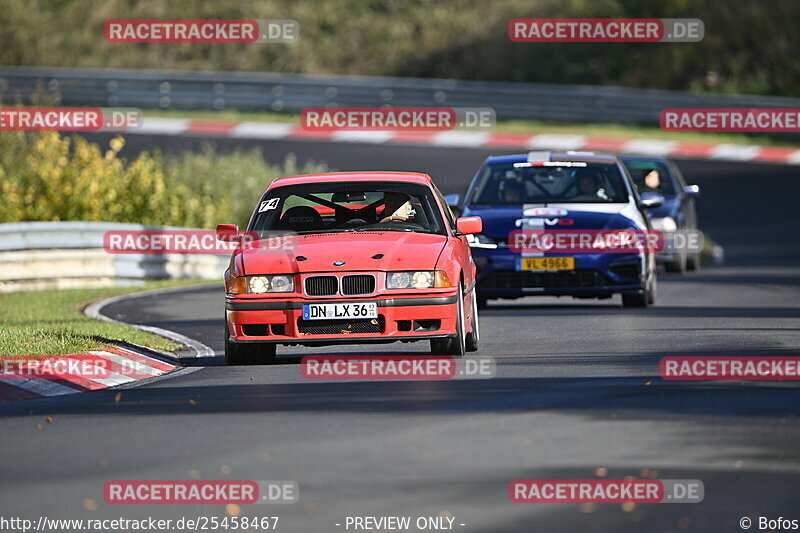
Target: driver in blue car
(588, 187)
(651, 182)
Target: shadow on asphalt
(657, 311)
(729, 495)
(636, 398)
(748, 276)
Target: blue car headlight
(664, 224)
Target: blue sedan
(676, 215)
(544, 191)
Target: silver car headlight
(263, 284)
(421, 279)
(664, 224)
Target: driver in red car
(399, 205)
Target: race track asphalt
(576, 390)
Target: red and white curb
(95, 311)
(473, 139)
(137, 363)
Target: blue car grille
(507, 279)
(630, 270)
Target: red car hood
(400, 251)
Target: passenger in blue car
(651, 182)
(513, 193)
(589, 189)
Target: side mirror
(649, 200)
(469, 225)
(227, 232)
(692, 190)
(452, 199)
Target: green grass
(530, 127)
(50, 322)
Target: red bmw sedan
(350, 258)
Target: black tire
(474, 337)
(678, 266)
(652, 292)
(693, 262)
(648, 297)
(440, 346)
(635, 300)
(248, 354)
(483, 302)
(457, 346)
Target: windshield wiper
(405, 230)
(319, 231)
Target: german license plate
(339, 311)
(547, 263)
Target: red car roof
(411, 177)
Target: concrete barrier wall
(279, 92)
(39, 255)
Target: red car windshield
(348, 206)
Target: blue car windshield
(560, 182)
(650, 176)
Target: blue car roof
(554, 156)
(663, 160)
(500, 159)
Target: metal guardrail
(251, 91)
(38, 255)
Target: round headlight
(282, 284)
(399, 280)
(258, 284)
(422, 280)
(668, 224)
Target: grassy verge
(46, 323)
(531, 127)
